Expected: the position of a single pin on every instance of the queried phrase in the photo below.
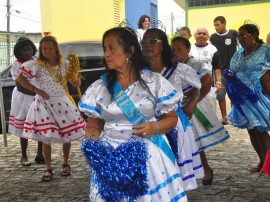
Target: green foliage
(171, 36)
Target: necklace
(247, 56)
(56, 74)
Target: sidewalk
(229, 162)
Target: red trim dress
(56, 120)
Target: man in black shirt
(226, 43)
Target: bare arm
(190, 106)
(218, 80)
(265, 81)
(165, 124)
(206, 81)
(26, 84)
(93, 128)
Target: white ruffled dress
(56, 120)
(20, 104)
(163, 175)
(189, 158)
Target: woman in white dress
(207, 128)
(143, 25)
(158, 56)
(22, 98)
(52, 117)
(128, 153)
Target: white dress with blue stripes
(163, 174)
(189, 160)
(217, 134)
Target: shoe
(25, 162)
(47, 178)
(39, 160)
(65, 173)
(255, 169)
(209, 181)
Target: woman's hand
(144, 130)
(75, 82)
(41, 93)
(218, 87)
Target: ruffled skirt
(20, 104)
(208, 137)
(250, 107)
(189, 160)
(55, 120)
(163, 175)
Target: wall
(79, 20)
(135, 9)
(235, 17)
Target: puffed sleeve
(165, 94)
(88, 103)
(29, 69)
(188, 76)
(266, 66)
(14, 70)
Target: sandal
(255, 169)
(65, 173)
(39, 160)
(47, 178)
(25, 162)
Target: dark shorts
(222, 93)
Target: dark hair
(127, 39)
(184, 29)
(59, 57)
(183, 40)
(166, 54)
(141, 20)
(21, 43)
(252, 29)
(221, 19)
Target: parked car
(7, 87)
(90, 55)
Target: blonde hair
(59, 56)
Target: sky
(171, 15)
(25, 15)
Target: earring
(128, 61)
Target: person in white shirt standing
(208, 55)
(143, 25)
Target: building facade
(236, 12)
(85, 20)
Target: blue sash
(136, 117)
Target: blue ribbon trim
(164, 184)
(135, 116)
(173, 93)
(187, 88)
(92, 108)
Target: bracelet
(156, 127)
(34, 87)
(218, 82)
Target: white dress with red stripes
(53, 120)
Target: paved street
(229, 161)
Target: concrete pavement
(229, 161)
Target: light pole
(8, 30)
